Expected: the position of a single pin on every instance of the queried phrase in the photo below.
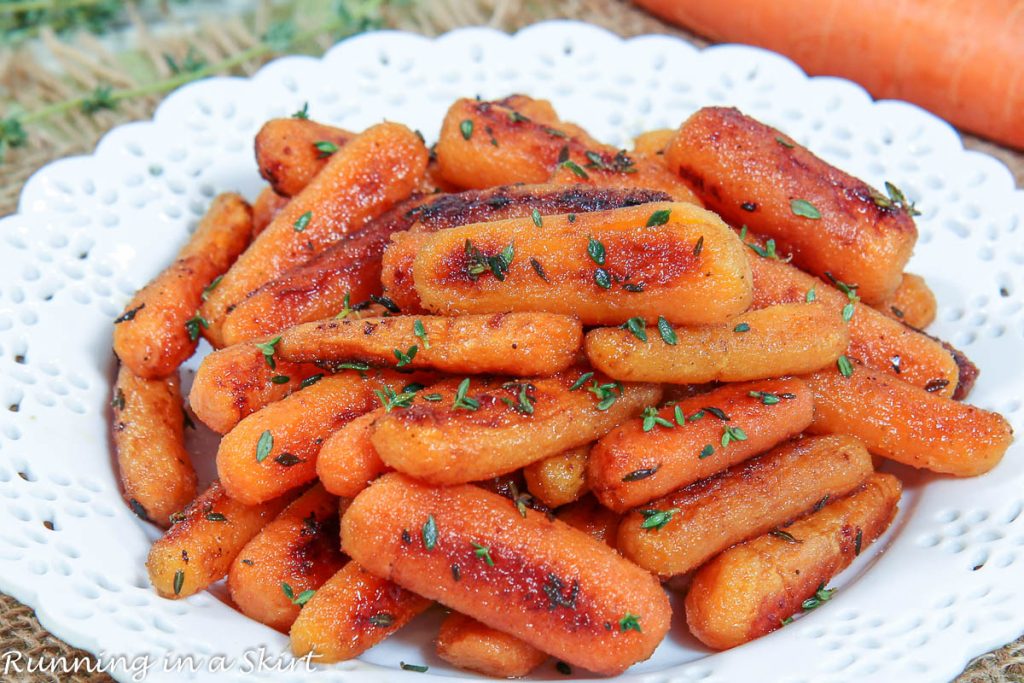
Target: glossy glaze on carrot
(287, 153)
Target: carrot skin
(593, 585)
(348, 462)
(266, 206)
(912, 303)
(560, 479)
(467, 644)
(287, 155)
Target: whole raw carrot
(960, 59)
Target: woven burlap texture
(91, 64)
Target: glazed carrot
(653, 141)
(346, 274)
(611, 168)
(788, 339)
(829, 221)
(495, 426)
(482, 206)
(160, 326)
(752, 589)
(267, 205)
(275, 449)
(351, 613)
(504, 344)
(559, 479)
(366, 177)
(155, 469)
(238, 380)
(875, 340)
(348, 461)
(913, 302)
(956, 62)
(589, 516)
(298, 549)
(288, 153)
(474, 552)
(465, 643)
(604, 267)
(908, 424)
(643, 459)
(200, 546)
(681, 531)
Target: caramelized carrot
(653, 141)
(348, 461)
(160, 326)
(276, 572)
(908, 424)
(559, 479)
(752, 589)
(474, 552)
(288, 153)
(589, 516)
(155, 469)
(681, 531)
(643, 459)
(912, 303)
(366, 177)
(351, 613)
(267, 205)
(467, 644)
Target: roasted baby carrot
(908, 424)
(789, 339)
(476, 553)
(278, 570)
(482, 206)
(913, 302)
(653, 141)
(351, 613)
(559, 479)
(467, 644)
(365, 178)
(203, 541)
(611, 168)
(831, 222)
(876, 340)
(238, 380)
(681, 531)
(753, 588)
(160, 327)
(667, 449)
(589, 516)
(290, 152)
(495, 426)
(275, 449)
(155, 469)
(266, 206)
(504, 344)
(347, 461)
(672, 260)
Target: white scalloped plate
(950, 582)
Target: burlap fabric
(33, 84)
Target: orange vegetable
(752, 588)
(630, 466)
(830, 221)
(155, 469)
(159, 328)
(908, 424)
(348, 461)
(559, 479)
(958, 61)
(298, 549)
(467, 644)
(267, 205)
(589, 516)
(913, 302)
(287, 152)
(362, 180)
(653, 141)
(416, 536)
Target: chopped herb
(748, 206)
(516, 117)
(784, 142)
(215, 517)
(699, 246)
(280, 379)
(352, 365)
(572, 218)
(554, 133)
(630, 622)
(466, 127)
(767, 397)
(302, 221)
(934, 385)
(707, 451)
(784, 536)
(406, 357)
(484, 553)
(389, 399)
(857, 542)
(419, 668)
(325, 148)
(537, 220)
(539, 269)
(821, 503)
(456, 573)
(421, 333)
(264, 445)
(717, 412)
(659, 217)
(896, 199)
(554, 589)
(581, 380)
(387, 303)
(596, 251)
(267, 349)
(430, 533)
(767, 251)
(602, 278)
(300, 599)
(381, 620)
(607, 393)
(288, 460)
(896, 312)
(848, 311)
(128, 315)
(678, 414)
(667, 332)
(575, 168)
(742, 327)
(179, 581)
(524, 401)
(802, 207)
(462, 401)
(431, 397)
(731, 433)
(563, 668)
(821, 596)
(811, 295)
(302, 113)
(248, 563)
(346, 307)
(650, 418)
(118, 400)
(212, 286)
(657, 519)
(138, 509)
(845, 366)
(637, 326)
(637, 475)
(521, 500)
(633, 287)
(479, 263)
(193, 324)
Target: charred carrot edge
(756, 587)
(160, 327)
(476, 553)
(290, 152)
(203, 541)
(350, 613)
(156, 472)
(290, 558)
(467, 644)
(667, 449)
(908, 424)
